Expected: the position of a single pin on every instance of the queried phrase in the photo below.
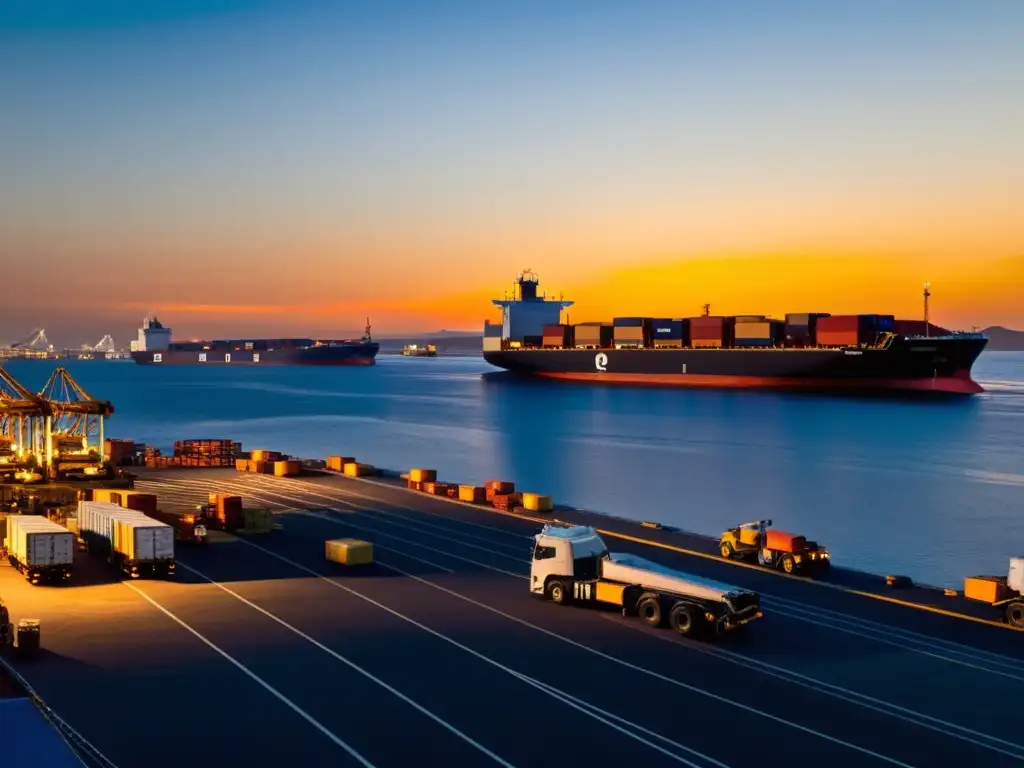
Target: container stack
(709, 332)
(669, 334)
(507, 501)
(120, 453)
(337, 463)
(557, 336)
(287, 468)
(801, 328)
(494, 488)
(195, 453)
(593, 335)
(757, 331)
(631, 332)
(355, 469)
(474, 494)
(227, 510)
(419, 477)
(852, 330)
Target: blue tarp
(29, 741)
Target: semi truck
(573, 565)
(133, 542)
(41, 549)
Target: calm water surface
(932, 490)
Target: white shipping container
(141, 540)
(1015, 579)
(36, 542)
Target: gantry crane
(76, 418)
(25, 421)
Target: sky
(290, 168)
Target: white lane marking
(590, 710)
(259, 680)
(382, 515)
(355, 667)
(853, 697)
(621, 662)
(880, 634)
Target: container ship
(154, 346)
(811, 351)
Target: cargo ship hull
(925, 365)
(328, 354)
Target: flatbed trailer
(573, 565)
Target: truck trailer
(573, 564)
(40, 549)
(135, 543)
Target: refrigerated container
(39, 548)
(135, 543)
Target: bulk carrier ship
(154, 346)
(813, 351)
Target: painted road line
(256, 678)
(582, 646)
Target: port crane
(77, 417)
(25, 421)
(106, 344)
(36, 341)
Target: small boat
(415, 350)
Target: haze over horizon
(289, 168)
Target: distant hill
(1004, 339)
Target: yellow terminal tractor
(773, 549)
(573, 565)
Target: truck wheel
(649, 609)
(1015, 615)
(788, 564)
(557, 593)
(682, 620)
(726, 550)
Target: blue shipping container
(629, 322)
(886, 322)
(753, 342)
(667, 329)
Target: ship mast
(927, 295)
(707, 310)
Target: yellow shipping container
(104, 495)
(337, 463)
(707, 343)
(349, 551)
(988, 589)
(472, 493)
(287, 468)
(242, 465)
(753, 330)
(353, 469)
(535, 502)
(423, 475)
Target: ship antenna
(927, 295)
(707, 310)
(366, 335)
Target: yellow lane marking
(706, 556)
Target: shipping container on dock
(801, 328)
(187, 526)
(852, 330)
(668, 333)
(758, 333)
(135, 543)
(138, 500)
(557, 336)
(40, 548)
(710, 331)
(593, 335)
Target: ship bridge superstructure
(526, 312)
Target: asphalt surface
(261, 650)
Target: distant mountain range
(1004, 339)
(466, 343)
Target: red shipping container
(838, 338)
(140, 502)
(704, 328)
(839, 323)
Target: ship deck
(261, 649)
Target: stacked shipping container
(851, 330)
(196, 453)
(631, 332)
(557, 336)
(593, 335)
(757, 332)
(710, 331)
(801, 328)
(669, 334)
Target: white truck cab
(573, 564)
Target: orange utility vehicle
(773, 549)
